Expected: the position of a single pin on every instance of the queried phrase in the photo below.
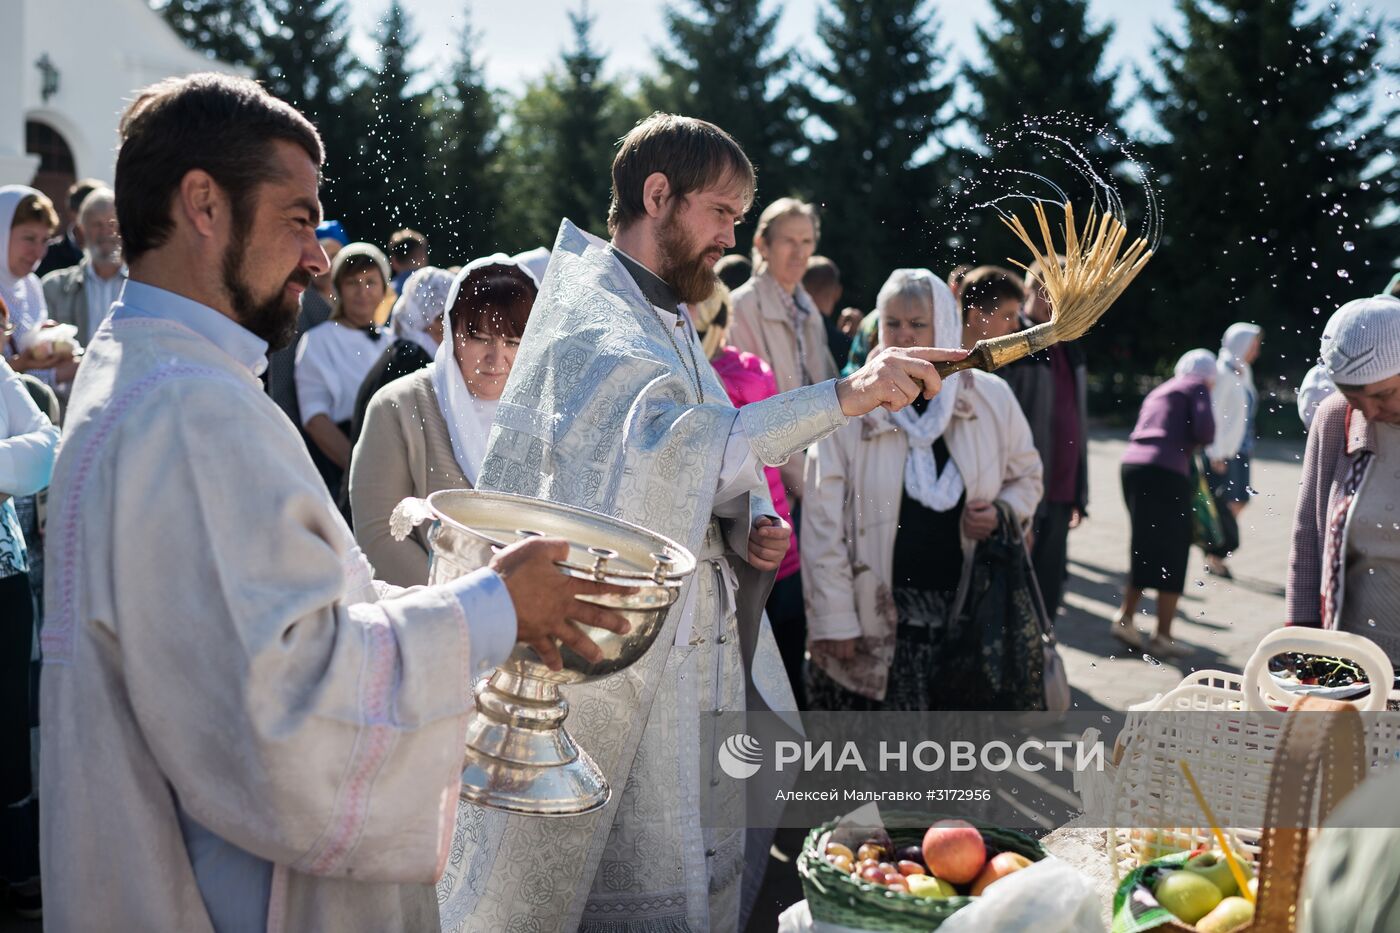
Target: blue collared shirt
(140, 300)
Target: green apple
(1187, 894)
(1216, 869)
(1230, 913)
(929, 886)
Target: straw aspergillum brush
(1080, 288)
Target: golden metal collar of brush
(1095, 272)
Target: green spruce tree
(1044, 62)
(876, 176)
(468, 142)
(395, 163)
(721, 65)
(1274, 176)
(223, 29)
(306, 60)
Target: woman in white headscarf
(1234, 403)
(895, 507)
(428, 431)
(1173, 424)
(27, 220)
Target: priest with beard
(613, 406)
(242, 730)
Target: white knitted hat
(1361, 343)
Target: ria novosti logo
(740, 756)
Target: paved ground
(1220, 622)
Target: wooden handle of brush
(977, 358)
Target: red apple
(953, 851)
(998, 868)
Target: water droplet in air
(1151, 660)
(1349, 246)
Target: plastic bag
(1048, 897)
(60, 338)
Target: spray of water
(1074, 162)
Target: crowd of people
(919, 517)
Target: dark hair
(78, 192)
(734, 270)
(693, 155)
(821, 274)
(988, 286)
(497, 295)
(404, 243)
(222, 124)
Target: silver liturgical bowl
(519, 757)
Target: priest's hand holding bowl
(545, 605)
(892, 378)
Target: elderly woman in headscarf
(1234, 403)
(1175, 422)
(748, 378)
(334, 357)
(1344, 567)
(427, 431)
(895, 509)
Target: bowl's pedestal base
(519, 757)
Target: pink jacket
(748, 379)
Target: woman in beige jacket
(427, 431)
(774, 317)
(895, 508)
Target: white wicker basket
(1231, 756)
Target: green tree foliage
(1043, 60)
(1274, 176)
(560, 144)
(875, 172)
(721, 65)
(467, 141)
(223, 29)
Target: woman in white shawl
(894, 509)
(1234, 403)
(428, 430)
(27, 220)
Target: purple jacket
(1174, 420)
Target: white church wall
(103, 51)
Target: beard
(273, 319)
(684, 267)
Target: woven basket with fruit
(910, 876)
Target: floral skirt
(917, 671)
